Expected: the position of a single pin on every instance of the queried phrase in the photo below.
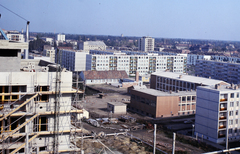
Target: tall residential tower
(146, 44)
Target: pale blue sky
(193, 19)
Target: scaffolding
(17, 114)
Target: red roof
(113, 74)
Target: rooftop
(6, 44)
(219, 61)
(97, 43)
(161, 93)
(113, 74)
(189, 78)
(222, 88)
(117, 103)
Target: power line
(13, 12)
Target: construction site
(37, 102)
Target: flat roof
(189, 78)
(219, 61)
(161, 93)
(6, 44)
(222, 88)
(117, 103)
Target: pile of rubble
(116, 144)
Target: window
(231, 113)
(183, 99)
(237, 112)
(236, 121)
(230, 131)
(237, 95)
(133, 96)
(193, 98)
(231, 104)
(230, 122)
(232, 95)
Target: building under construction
(36, 104)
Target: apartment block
(60, 37)
(170, 81)
(144, 64)
(92, 45)
(192, 58)
(36, 108)
(74, 60)
(226, 71)
(146, 44)
(217, 113)
(50, 53)
(16, 37)
(154, 103)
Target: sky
(189, 19)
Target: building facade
(16, 37)
(144, 64)
(221, 70)
(217, 113)
(170, 81)
(92, 45)
(73, 60)
(146, 44)
(28, 98)
(157, 104)
(192, 58)
(50, 54)
(61, 38)
(102, 77)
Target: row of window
(143, 100)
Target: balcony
(223, 107)
(221, 135)
(222, 126)
(222, 117)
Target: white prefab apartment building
(146, 44)
(16, 37)
(60, 37)
(217, 113)
(225, 71)
(92, 45)
(144, 64)
(192, 58)
(74, 60)
(50, 54)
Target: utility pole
(173, 144)
(154, 138)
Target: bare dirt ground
(97, 108)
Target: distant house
(100, 77)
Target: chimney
(209, 77)
(26, 39)
(236, 87)
(180, 76)
(170, 91)
(137, 76)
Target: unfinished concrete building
(36, 108)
